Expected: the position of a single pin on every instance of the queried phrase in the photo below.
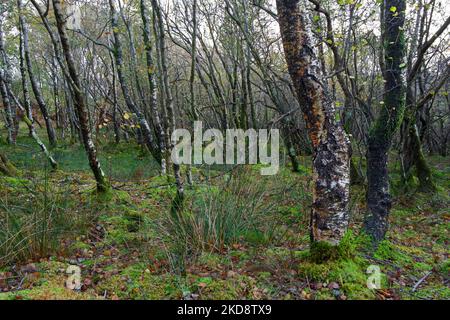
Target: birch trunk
(118, 55)
(151, 70)
(10, 123)
(34, 85)
(331, 158)
(178, 203)
(79, 100)
(23, 70)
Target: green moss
(256, 237)
(120, 228)
(387, 251)
(51, 290)
(136, 283)
(14, 182)
(421, 266)
(212, 260)
(134, 220)
(349, 274)
(79, 245)
(280, 253)
(321, 251)
(218, 289)
(49, 285)
(111, 196)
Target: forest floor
(128, 245)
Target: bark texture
(391, 116)
(34, 84)
(151, 72)
(9, 112)
(178, 201)
(79, 100)
(118, 55)
(331, 159)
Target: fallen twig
(421, 280)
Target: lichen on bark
(331, 158)
(391, 116)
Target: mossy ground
(123, 254)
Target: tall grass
(218, 217)
(34, 215)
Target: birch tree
(151, 72)
(331, 174)
(118, 55)
(34, 83)
(79, 100)
(159, 22)
(7, 105)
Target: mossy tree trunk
(388, 122)
(79, 100)
(331, 158)
(413, 155)
(6, 167)
(151, 73)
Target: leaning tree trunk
(6, 167)
(8, 113)
(34, 85)
(79, 100)
(331, 174)
(388, 122)
(33, 133)
(151, 72)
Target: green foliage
(121, 162)
(216, 220)
(218, 289)
(349, 274)
(257, 234)
(322, 251)
(34, 216)
(140, 284)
